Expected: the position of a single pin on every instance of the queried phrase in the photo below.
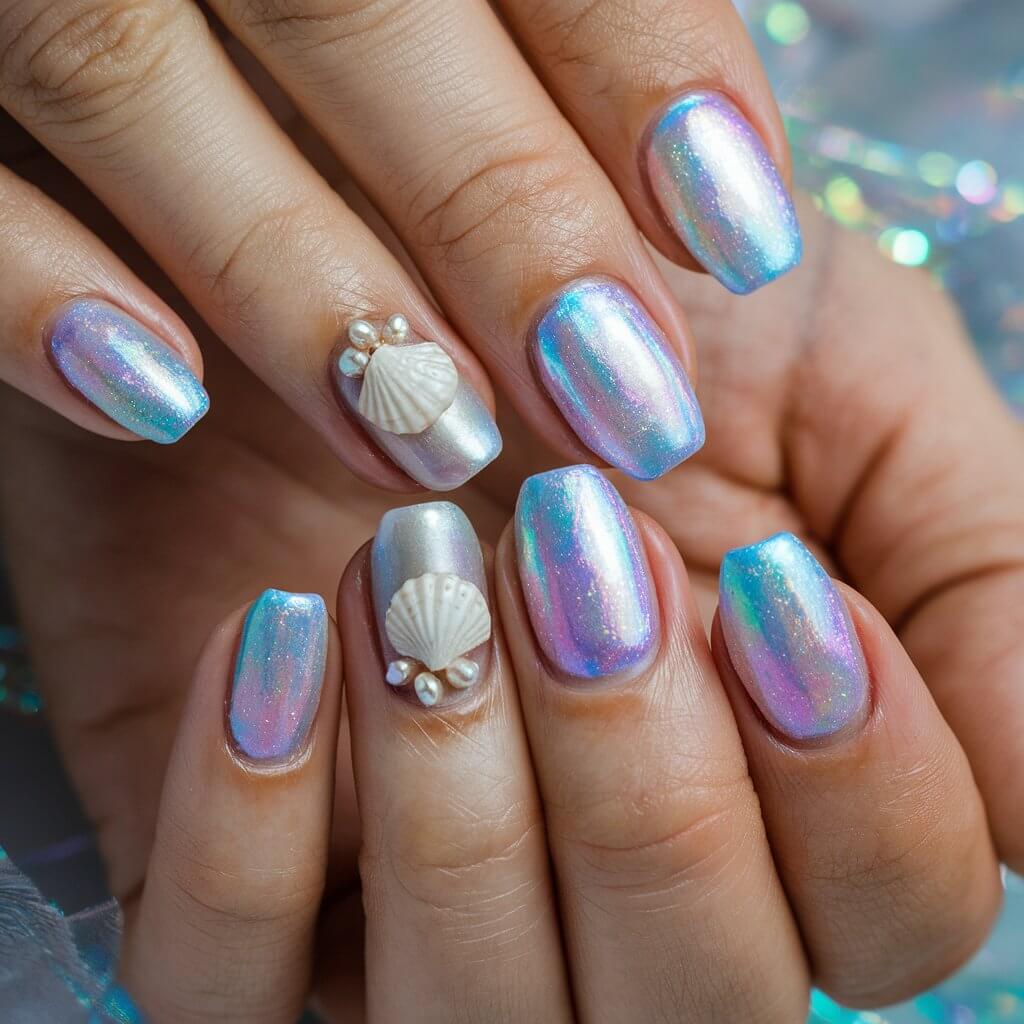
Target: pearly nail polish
(791, 640)
(584, 574)
(718, 188)
(611, 372)
(412, 400)
(125, 371)
(430, 601)
(279, 673)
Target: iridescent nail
(411, 399)
(791, 640)
(719, 189)
(430, 600)
(126, 371)
(611, 372)
(584, 574)
(279, 673)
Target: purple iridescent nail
(139, 381)
(612, 374)
(791, 640)
(720, 191)
(278, 674)
(584, 574)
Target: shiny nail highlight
(126, 371)
(791, 640)
(611, 372)
(458, 442)
(431, 602)
(584, 574)
(279, 673)
(719, 189)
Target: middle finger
(512, 222)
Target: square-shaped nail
(430, 600)
(720, 191)
(611, 372)
(411, 398)
(584, 574)
(279, 672)
(124, 370)
(791, 640)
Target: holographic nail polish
(279, 673)
(411, 399)
(584, 574)
(611, 372)
(791, 640)
(430, 600)
(125, 371)
(720, 191)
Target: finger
(515, 227)
(142, 103)
(923, 505)
(82, 334)
(877, 828)
(653, 824)
(224, 929)
(673, 101)
(454, 865)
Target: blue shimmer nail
(791, 640)
(584, 574)
(611, 372)
(719, 189)
(278, 674)
(127, 372)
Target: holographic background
(937, 179)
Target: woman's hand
(570, 808)
(518, 179)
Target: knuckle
(520, 185)
(611, 47)
(66, 67)
(310, 25)
(666, 842)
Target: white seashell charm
(436, 618)
(406, 388)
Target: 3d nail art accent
(429, 594)
(584, 574)
(406, 387)
(791, 640)
(279, 674)
(719, 190)
(125, 371)
(614, 377)
(412, 400)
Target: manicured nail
(411, 399)
(791, 640)
(613, 375)
(430, 599)
(279, 673)
(126, 371)
(584, 574)
(719, 189)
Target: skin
(827, 414)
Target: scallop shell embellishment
(433, 621)
(406, 387)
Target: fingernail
(791, 640)
(279, 673)
(719, 189)
(611, 372)
(584, 574)
(430, 600)
(126, 371)
(410, 397)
